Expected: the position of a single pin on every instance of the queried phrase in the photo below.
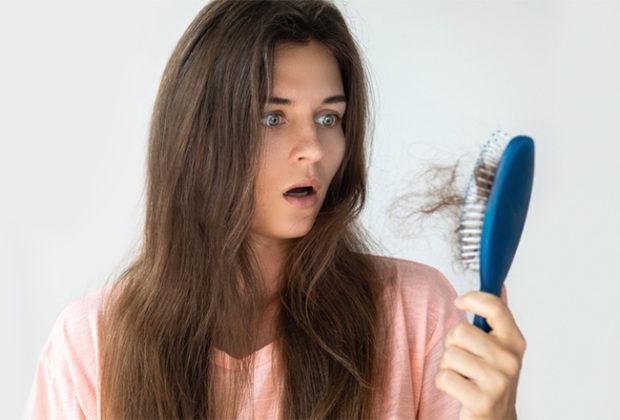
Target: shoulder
(67, 372)
(76, 327)
(419, 281)
(425, 298)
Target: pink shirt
(67, 370)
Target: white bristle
(468, 254)
(470, 231)
(476, 196)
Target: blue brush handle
(505, 216)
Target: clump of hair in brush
(455, 197)
(476, 198)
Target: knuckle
(449, 355)
(502, 382)
(513, 365)
(510, 362)
(496, 311)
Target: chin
(299, 229)
(297, 233)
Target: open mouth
(300, 192)
(303, 197)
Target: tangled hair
(195, 283)
(441, 193)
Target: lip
(306, 182)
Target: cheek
(270, 175)
(336, 150)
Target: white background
(77, 85)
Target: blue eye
(269, 118)
(335, 119)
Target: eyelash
(280, 115)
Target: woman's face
(303, 138)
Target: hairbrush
(494, 210)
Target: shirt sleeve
(53, 392)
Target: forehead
(309, 71)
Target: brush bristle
(476, 197)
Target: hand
(481, 369)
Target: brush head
(476, 197)
(495, 209)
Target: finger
(465, 363)
(485, 346)
(492, 308)
(462, 389)
(474, 340)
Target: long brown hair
(195, 282)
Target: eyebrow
(284, 101)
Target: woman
(244, 302)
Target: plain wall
(77, 88)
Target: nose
(308, 143)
